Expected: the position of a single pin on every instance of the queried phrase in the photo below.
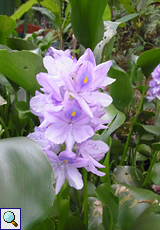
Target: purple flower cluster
(154, 84)
(70, 110)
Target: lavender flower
(70, 110)
(154, 84)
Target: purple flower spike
(154, 84)
(70, 111)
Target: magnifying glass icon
(9, 217)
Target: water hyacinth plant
(79, 137)
(70, 112)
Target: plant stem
(157, 104)
(150, 168)
(133, 124)
(78, 199)
(85, 198)
(135, 152)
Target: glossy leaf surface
(149, 219)
(148, 61)
(120, 90)
(26, 179)
(22, 67)
(128, 175)
(133, 202)
(7, 26)
(87, 21)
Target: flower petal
(37, 103)
(74, 177)
(87, 56)
(57, 133)
(82, 133)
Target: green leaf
(128, 17)
(20, 44)
(141, 4)
(120, 90)
(107, 14)
(48, 14)
(145, 150)
(22, 68)
(115, 124)
(46, 225)
(22, 107)
(26, 180)
(148, 61)
(52, 6)
(156, 146)
(88, 28)
(106, 162)
(106, 195)
(145, 116)
(149, 219)
(63, 203)
(107, 218)
(74, 223)
(107, 50)
(7, 26)
(117, 147)
(157, 118)
(155, 173)
(128, 175)
(23, 9)
(111, 112)
(95, 209)
(147, 128)
(128, 6)
(133, 202)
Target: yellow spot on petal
(85, 80)
(73, 113)
(66, 161)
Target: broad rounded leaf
(7, 26)
(20, 44)
(142, 129)
(156, 145)
(128, 175)
(149, 219)
(144, 150)
(148, 61)
(26, 179)
(155, 173)
(133, 202)
(87, 21)
(120, 90)
(22, 67)
(106, 195)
